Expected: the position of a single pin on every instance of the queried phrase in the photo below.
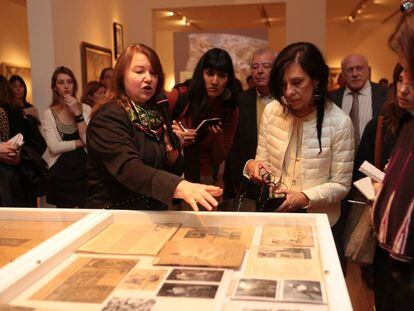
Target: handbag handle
(378, 142)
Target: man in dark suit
(251, 104)
(360, 98)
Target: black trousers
(393, 283)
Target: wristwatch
(79, 118)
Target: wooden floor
(362, 297)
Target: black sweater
(126, 167)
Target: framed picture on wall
(118, 39)
(93, 59)
(334, 78)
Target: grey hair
(359, 55)
(261, 52)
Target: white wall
(72, 22)
(369, 39)
(306, 21)
(164, 45)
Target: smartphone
(212, 121)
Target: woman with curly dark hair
(211, 93)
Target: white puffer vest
(326, 176)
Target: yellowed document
(202, 253)
(216, 235)
(130, 239)
(143, 279)
(89, 280)
(283, 263)
(288, 236)
(17, 237)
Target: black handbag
(252, 198)
(32, 135)
(34, 171)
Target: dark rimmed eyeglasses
(406, 7)
(268, 200)
(270, 180)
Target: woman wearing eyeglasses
(393, 210)
(305, 141)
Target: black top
(126, 167)
(67, 183)
(244, 146)
(366, 148)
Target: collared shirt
(291, 170)
(261, 102)
(365, 105)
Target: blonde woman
(64, 127)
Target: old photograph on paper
(288, 236)
(216, 234)
(188, 290)
(143, 279)
(302, 291)
(130, 239)
(129, 304)
(258, 289)
(195, 275)
(205, 254)
(89, 280)
(261, 263)
(285, 253)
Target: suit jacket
(244, 145)
(379, 95)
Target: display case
(129, 260)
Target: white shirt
(365, 105)
(261, 102)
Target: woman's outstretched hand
(194, 193)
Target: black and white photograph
(187, 290)
(302, 291)
(195, 234)
(196, 275)
(129, 304)
(256, 289)
(285, 253)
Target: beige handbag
(360, 241)
(359, 237)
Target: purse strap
(378, 142)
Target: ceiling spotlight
(351, 19)
(359, 11)
(184, 20)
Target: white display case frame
(29, 268)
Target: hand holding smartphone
(211, 121)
